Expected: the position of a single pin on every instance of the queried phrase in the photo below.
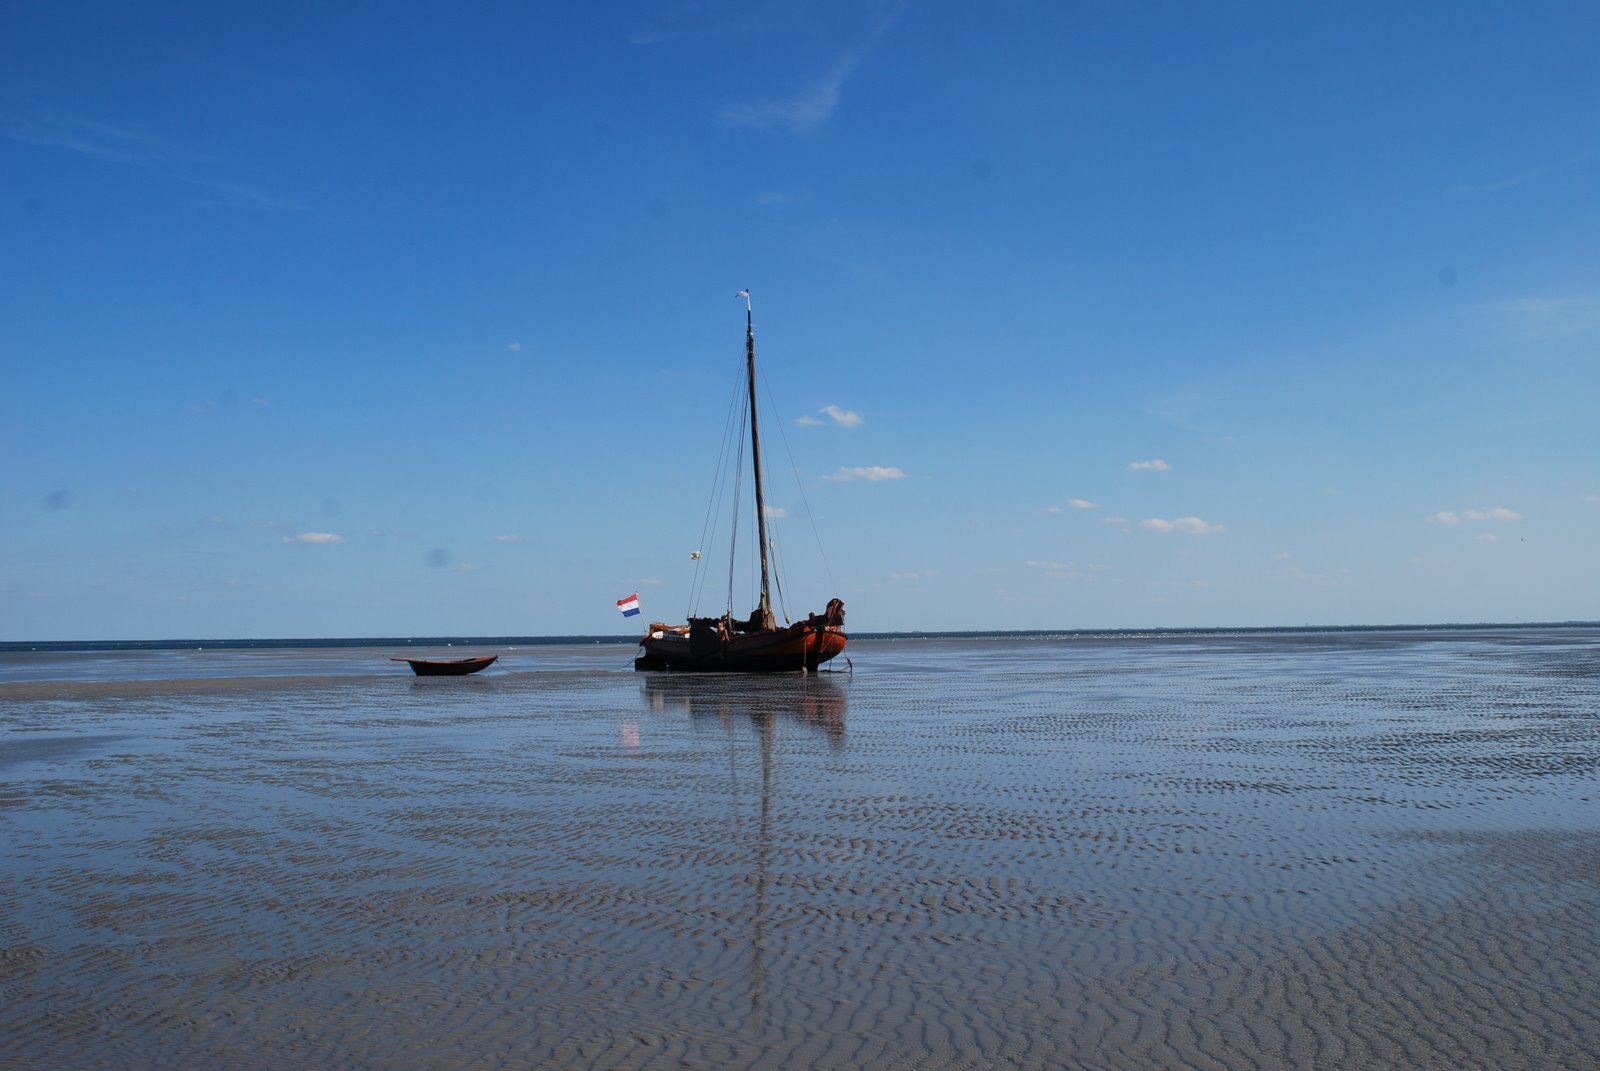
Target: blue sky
(398, 319)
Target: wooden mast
(755, 449)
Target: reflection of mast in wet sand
(767, 725)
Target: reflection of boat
(446, 667)
(812, 700)
(758, 643)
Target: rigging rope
(735, 438)
(731, 432)
(800, 487)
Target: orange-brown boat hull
(797, 647)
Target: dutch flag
(629, 606)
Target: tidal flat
(1297, 850)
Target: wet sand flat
(1280, 851)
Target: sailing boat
(757, 644)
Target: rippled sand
(1281, 852)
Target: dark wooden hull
(801, 646)
(447, 667)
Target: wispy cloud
(1511, 182)
(778, 198)
(802, 113)
(1185, 525)
(320, 539)
(243, 193)
(1065, 570)
(1155, 465)
(872, 473)
(810, 107)
(1559, 317)
(1494, 513)
(508, 538)
(1503, 184)
(1083, 503)
(49, 130)
(776, 512)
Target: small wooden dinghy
(446, 667)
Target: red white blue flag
(629, 606)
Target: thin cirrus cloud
(1494, 513)
(1154, 465)
(812, 106)
(316, 539)
(801, 113)
(1551, 317)
(51, 130)
(1185, 525)
(871, 473)
(845, 418)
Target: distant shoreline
(13, 646)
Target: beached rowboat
(446, 667)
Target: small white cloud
(1186, 525)
(1202, 584)
(1057, 570)
(321, 539)
(1591, 498)
(1490, 537)
(1155, 465)
(773, 198)
(508, 538)
(1285, 556)
(808, 422)
(514, 347)
(1052, 509)
(848, 418)
(1494, 513)
(777, 512)
(1083, 503)
(872, 473)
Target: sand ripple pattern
(1300, 851)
